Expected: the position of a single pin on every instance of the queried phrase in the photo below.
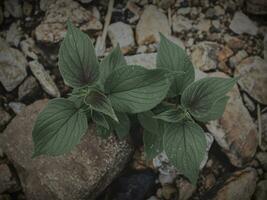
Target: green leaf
(134, 89)
(99, 102)
(100, 119)
(199, 97)
(111, 62)
(102, 132)
(185, 146)
(78, 63)
(171, 115)
(122, 127)
(172, 57)
(153, 144)
(148, 122)
(216, 110)
(58, 128)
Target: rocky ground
(223, 38)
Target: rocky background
(223, 38)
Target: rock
(85, 1)
(14, 34)
(261, 190)
(53, 27)
(28, 88)
(234, 42)
(147, 60)
(27, 8)
(236, 59)
(210, 13)
(122, 34)
(235, 131)
(4, 118)
(240, 185)
(204, 55)
(166, 3)
(169, 192)
(224, 54)
(184, 11)
(210, 181)
(262, 158)
(14, 8)
(242, 24)
(151, 22)
(186, 189)
(44, 4)
(44, 78)
(256, 7)
(265, 47)
(166, 178)
(81, 174)
(219, 11)
(29, 48)
(141, 49)
(252, 72)
(7, 181)
(264, 126)
(176, 41)
(17, 107)
(134, 186)
(12, 66)
(203, 25)
(248, 102)
(181, 23)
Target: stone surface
(17, 107)
(29, 48)
(122, 34)
(28, 88)
(1, 16)
(262, 158)
(204, 55)
(256, 7)
(181, 23)
(265, 47)
(252, 72)
(151, 22)
(7, 181)
(261, 190)
(81, 174)
(147, 60)
(203, 25)
(242, 24)
(44, 78)
(235, 131)
(13, 7)
(234, 42)
(240, 185)
(12, 66)
(224, 54)
(44, 4)
(186, 189)
(4, 117)
(166, 3)
(53, 28)
(236, 59)
(14, 34)
(249, 103)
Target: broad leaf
(148, 122)
(216, 110)
(99, 102)
(185, 145)
(111, 62)
(102, 132)
(58, 128)
(153, 144)
(172, 57)
(100, 119)
(122, 127)
(199, 97)
(171, 115)
(78, 63)
(134, 89)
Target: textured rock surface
(82, 174)
(240, 185)
(12, 66)
(53, 27)
(28, 88)
(181, 23)
(147, 60)
(256, 7)
(261, 190)
(235, 131)
(7, 181)
(253, 79)
(4, 117)
(122, 34)
(152, 22)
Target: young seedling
(172, 127)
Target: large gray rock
(242, 24)
(235, 131)
(53, 27)
(252, 77)
(152, 22)
(12, 66)
(81, 174)
(240, 185)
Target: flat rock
(122, 34)
(17, 107)
(28, 88)
(14, 34)
(151, 22)
(240, 185)
(204, 55)
(81, 174)
(242, 24)
(44, 78)
(12, 66)
(252, 72)
(235, 131)
(181, 23)
(261, 190)
(53, 28)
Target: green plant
(166, 99)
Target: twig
(259, 124)
(100, 42)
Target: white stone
(14, 34)
(181, 23)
